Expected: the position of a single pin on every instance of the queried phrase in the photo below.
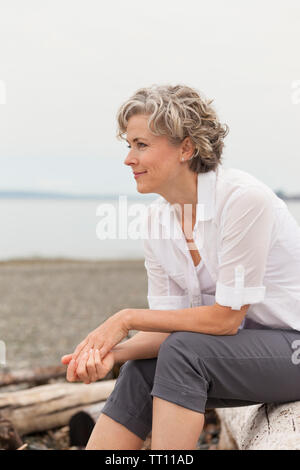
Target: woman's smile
(136, 175)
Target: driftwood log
(272, 426)
(49, 406)
(9, 436)
(42, 375)
(37, 376)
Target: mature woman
(223, 324)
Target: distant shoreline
(37, 195)
(40, 260)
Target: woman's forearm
(209, 319)
(143, 345)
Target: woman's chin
(143, 189)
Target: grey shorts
(200, 371)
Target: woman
(223, 289)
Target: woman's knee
(138, 371)
(130, 402)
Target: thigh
(253, 366)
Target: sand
(48, 306)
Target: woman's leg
(126, 418)
(175, 427)
(200, 371)
(168, 419)
(109, 434)
(196, 371)
(128, 415)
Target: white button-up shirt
(249, 245)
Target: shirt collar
(206, 185)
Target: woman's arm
(209, 319)
(143, 345)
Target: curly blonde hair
(178, 112)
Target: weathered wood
(49, 406)
(37, 376)
(9, 436)
(23, 446)
(42, 375)
(272, 426)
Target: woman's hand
(85, 366)
(96, 368)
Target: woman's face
(152, 154)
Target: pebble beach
(47, 306)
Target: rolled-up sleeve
(244, 242)
(163, 292)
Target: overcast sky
(67, 65)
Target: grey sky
(67, 66)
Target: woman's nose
(129, 160)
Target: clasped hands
(93, 358)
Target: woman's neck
(183, 191)
(184, 196)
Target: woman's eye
(139, 143)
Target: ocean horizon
(31, 194)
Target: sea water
(68, 229)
